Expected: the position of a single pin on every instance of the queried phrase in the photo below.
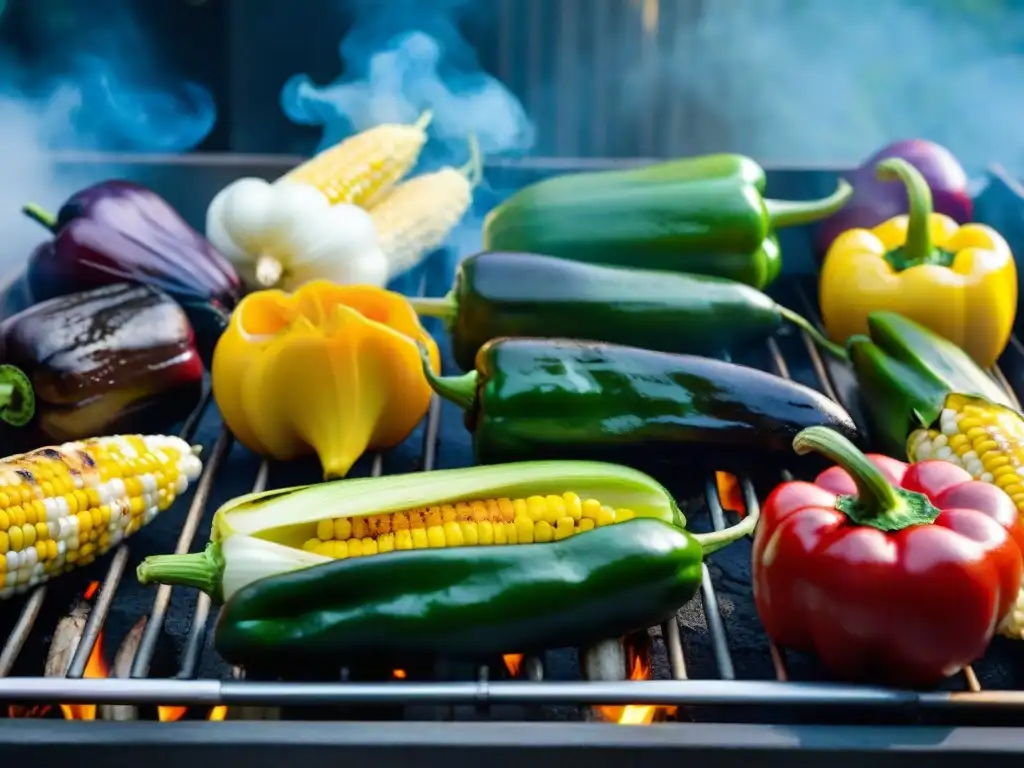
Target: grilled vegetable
(331, 370)
(564, 399)
(117, 232)
(703, 215)
(986, 440)
(608, 580)
(286, 234)
(362, 167)
(523, 294)
(66, 505)
(905, 372)
(416, 217)
(960, 282)
(875, 201)
(114, 359)
(888, 572)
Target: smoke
(104, 91)
(801, 82)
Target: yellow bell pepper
(960, 282)
(329, 369)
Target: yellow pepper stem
(918, 247)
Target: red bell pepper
(889, 572)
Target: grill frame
(722, 742)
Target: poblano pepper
(523, 294)
(704, 215)
(304, 578)
(663, 413)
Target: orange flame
(514, 663)
(635, 714)
(730, 493)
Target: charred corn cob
(987, 440)
(360, 168)
(536, 519)
(265, 534)
(64, 506)
(417, 216)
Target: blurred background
(794, 83)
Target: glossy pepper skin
(331, 370)
(471, 602)
(113, 360)
(704, 215)
(523, 294)
(960, 282)
(904, 374)
(665, 413)
(119, 231)
(889, 573)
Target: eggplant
(113, 360)
(876, 201)
(119, 231)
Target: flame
(218, 713)
(730, 493)
(636, 714)
(514, 663)
(399, 674)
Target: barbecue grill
(725, 694)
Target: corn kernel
(485, 532)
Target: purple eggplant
(119, 231)
(876, 201)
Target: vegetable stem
(460, 390)
(716, 540)
(201, 570)
(444, 308)
(817, 336)
(918, 246)
(41, 215)
(878, 503)
(789, 213)
(17, 398)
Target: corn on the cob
(63, 506)
(360, 168)
(987, 440)
(536, 519)
(417, 216)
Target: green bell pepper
(703, 215)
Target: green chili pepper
(468, 561)
(667, 414)
(523, 294)
(703, 215)
(905, 372)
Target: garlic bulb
(284, 234)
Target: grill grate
(532, 687)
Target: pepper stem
(202, 570)
(918, 245)
(444, 308)
(460, 390)
(716, 540)
(41, 215)
(17, 398)
(790, 213)
(878, 503)
(817, 337)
